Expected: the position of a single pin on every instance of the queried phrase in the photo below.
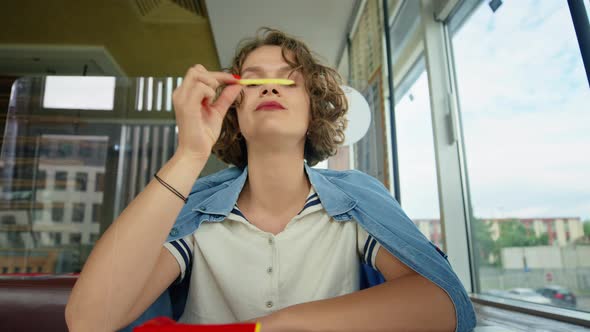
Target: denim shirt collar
(334, 200)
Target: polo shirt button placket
(270, 304)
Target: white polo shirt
(240, 272)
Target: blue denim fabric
(161, 307)
(345, 195)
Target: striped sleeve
(182, 250)
(367, 247)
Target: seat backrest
(34, 303)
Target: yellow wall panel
(139, 47)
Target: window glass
(417, 167)
(78, 212)
(81, 180)
(524, 103)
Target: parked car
(527, 294)
(558, 295)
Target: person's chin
(276, 134)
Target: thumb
(226, 98)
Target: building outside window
(61, 180)
(78, 212)
(81, 181)
(57, 212)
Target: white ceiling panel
(322, 24)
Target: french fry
(261, 81)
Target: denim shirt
(345, 195)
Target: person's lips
(269, 105)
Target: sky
(525, 107)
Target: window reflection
(99, 184)
(96, 212)
(81, 180)
(58, 175)
(54, 174)
(78, 212)
(61, 180)
(57, 212)
(41, 179)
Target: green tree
(514, 234)
(484, 244)
(587, 227)
(543, 240)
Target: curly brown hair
(327, 101)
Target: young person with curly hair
(271, 239)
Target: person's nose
(269, 91)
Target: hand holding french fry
(198, 116)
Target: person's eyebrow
(260, 70)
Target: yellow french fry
(261, 81)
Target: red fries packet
(165, 324)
